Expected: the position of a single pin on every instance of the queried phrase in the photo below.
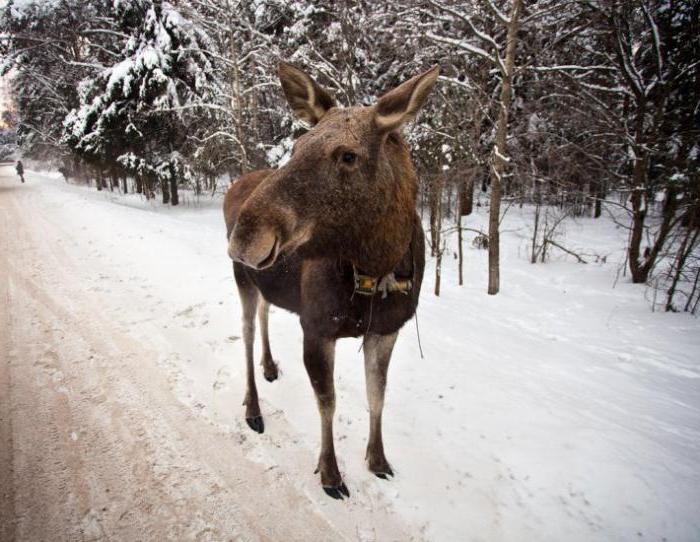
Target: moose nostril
(270, 258)
(257, 249)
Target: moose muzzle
(254, 245)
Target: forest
(573, 107)
(543, 386)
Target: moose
(333, 236)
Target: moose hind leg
(377, 350)
(270, 370)
(249, 300)
(319, 358)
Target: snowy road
(561, 409)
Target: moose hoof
(379, 467)
(337, 492)
(270, 370)
(385, 475)
(256, 424)
(271, 375)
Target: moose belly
(280, 284)
(322, 292)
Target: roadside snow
(560, 409)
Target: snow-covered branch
(502, 18)
(468, 47)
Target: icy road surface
(561, 409)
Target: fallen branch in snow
(579, 258)
(463, 228)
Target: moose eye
(349, 157)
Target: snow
(21, 8)
(121, 74)
(278, 155)
(560, 409)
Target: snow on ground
(560, 409)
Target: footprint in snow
(222, 376)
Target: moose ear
(308, 100)
(401, 105)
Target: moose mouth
(268, 260)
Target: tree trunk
(435, 188)
(174, 196)
(638, 198)
(689, 306)
(499, 153)
(438, 271)
(639, 211)
(686, 248)
(533, 255)
(598, 203)
(460, 252)
(165, 191)
(438, 237)
(640, 269)
(238, 108)
(148, 187)
(466, 195)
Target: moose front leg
(377, 350)
(319, 358)
(249, 301)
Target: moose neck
(384, 233)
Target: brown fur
(297, 232)
(238, 193)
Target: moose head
(349, 189)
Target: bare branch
(482, 35)
(560, 247)
(497, 12)
(460, 44)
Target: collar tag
(368, 285)
(364, 284)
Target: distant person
(20, 170)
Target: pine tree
(135, 113)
